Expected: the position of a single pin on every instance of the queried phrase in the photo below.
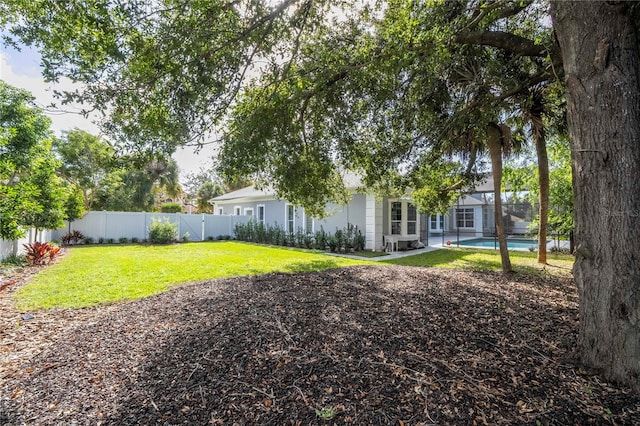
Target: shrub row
(343, 240)
(186, 237)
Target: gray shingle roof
(350, 179)
(248, 192)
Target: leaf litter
(361, 345)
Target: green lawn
(488, 260)
(93, 275)
(99, 274)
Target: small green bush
(123, 240)
(561, 250)
(100, 240)
(163, 232)
(186, 237)
(135, 240)
(88, 240)
(14, 260)
(334, 243)
(320, 239)
(110, 241)
(171, 208)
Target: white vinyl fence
(115, 225)
(12, 248)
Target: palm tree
(499, 142)
(532, 112)
(163, 173)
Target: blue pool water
(519, 243)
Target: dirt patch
(364, 345)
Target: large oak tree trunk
(601, 58)
(494, 141)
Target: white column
(373, 231)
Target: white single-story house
(387, 222)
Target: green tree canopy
(195, 180)
(206, 192)
(522, 176)
(74, 204)
(85, 161)
(27, 184)
(382, 87)
(165, 70)
(137, 184)
(50, 194)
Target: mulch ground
(366, 345)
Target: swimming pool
(512, 243)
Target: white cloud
(21, 69)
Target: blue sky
(27, 61)
(22, 69)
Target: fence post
(144, 235)
(457, 224)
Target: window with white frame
(237, 210)
(260, 215)
(412, 219)
(436, 222)
(403, 218)
(248, 211)
(464, 218)
(396, 218)
(290, 216)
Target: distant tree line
(45, 180)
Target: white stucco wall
(340, 216)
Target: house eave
(243, 200)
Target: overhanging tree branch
(506, 12)
(506, 41)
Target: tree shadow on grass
(481, 260)
(313, 265)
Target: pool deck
(435, 243)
